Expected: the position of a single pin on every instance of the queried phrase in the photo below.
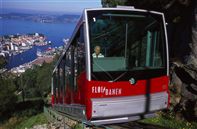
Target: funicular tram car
(114, 68)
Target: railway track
(64, 121)
(134, 125)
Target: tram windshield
(126, 41)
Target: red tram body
(128, 82)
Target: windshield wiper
(104, 71)
(119, 76)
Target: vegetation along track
(65, 120)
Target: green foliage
(2, 62)
(78, 126)
(24, 121)
(25, 114)
(36, 82)
(113, 3)
(7, 96)
(30, 122)
(169, 121)
(44, 79)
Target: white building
(2, 54)
(36, 34)
(11, 46)
(23, 44)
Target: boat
(39, 53)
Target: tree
(44, 79)
(2, 62)
(113, 3)
(28, 83)
(36, 82)
(7, 96)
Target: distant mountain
(67, 18)
(43, 18)
(30, 11)
(15, 15)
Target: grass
(78, 126)
(38, 119)
(169, 121)
(18, 122)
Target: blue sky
(61, 6)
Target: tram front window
(127, 40)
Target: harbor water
(55, 32)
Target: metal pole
(126, 42)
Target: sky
(53, 6)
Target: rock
(184, 84)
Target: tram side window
(62, 72)
(56, 87)
(67, 71)
(65, 76)
(81, 52)
(61, 79)
(68, 64)
(79, 55)
(77, 59)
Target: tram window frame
(68, 65)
